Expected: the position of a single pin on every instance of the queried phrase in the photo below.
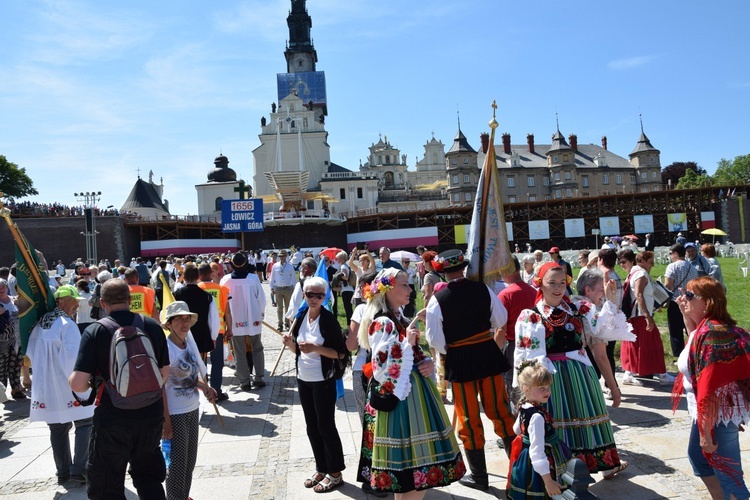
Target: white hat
(179, 308)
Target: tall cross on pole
(243, 190)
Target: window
(360, 194)
(547, 197)
(217, 204)
(455, 179)
(342, 193)
(585, 180)
(652, 160)
(558, 193)
(466, 178)
(475, 161)
(618, 179)
(532, 198)
(512, 199)
(644, 176)
(310, 205)
(555, 158)
(455, 197)
(454, 161)
(466, 161)
(567, 176)
(511, 182)
(605, 179)
(632, 179)
(546, 181)
(530, 181)
(653, 174)
(568, 193)
(467, 197)
(557, 176)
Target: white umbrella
(403, 254)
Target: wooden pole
(20, 241)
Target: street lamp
(89, 200)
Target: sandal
(623, 465)
(332, 484)
(314, 479)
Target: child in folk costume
(540, 456)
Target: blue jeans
(728, 441)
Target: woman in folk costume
(408, 444)
(558, 330)
(715, 376)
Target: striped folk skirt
(580, 415)
(412, 447)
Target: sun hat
(179, 308)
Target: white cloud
(630, 62)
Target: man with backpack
(129, 418)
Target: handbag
(380, 401)
(338, 366)
(662, 296)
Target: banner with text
(643, 224)
(239, 216)
(575, 228)
(610, 226)
(538, 229)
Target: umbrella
(714, 231)
(331, 252)
(632, 237)
(403, 254)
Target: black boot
(478, 478)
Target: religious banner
(538, 229)
(677, 222)
(643, 224)
(610, 226)
(575, 228)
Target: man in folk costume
(53, 349)
(459, 322)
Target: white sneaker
(630, 380)
(665, 379)
(607, 394)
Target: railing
(348, 175)
(307, 214)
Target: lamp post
(89, 200)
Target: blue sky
(91, 91)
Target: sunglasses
(313, 295)
(84, 274)
(690, 295)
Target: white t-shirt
(345, 287)
(308, 364)
(181, 386)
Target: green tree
(736, 171)
(693, 180)
(677, 170)
(14, 183)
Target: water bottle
(166, 451)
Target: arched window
(217, 204)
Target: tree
(694, 180)
(732, 172)
(676, 171)
(14, 183)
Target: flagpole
(485, 193)
(21, 242)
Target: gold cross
(494, 108)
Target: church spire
(300, 53)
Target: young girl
(543, 456)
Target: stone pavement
(262, 451)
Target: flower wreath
(378, 285)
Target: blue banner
(239, 216)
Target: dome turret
(222, 172)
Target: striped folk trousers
(494, 399)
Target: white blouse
(308, 364)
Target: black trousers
(318, 401)
(112, 446)
(676, 328)
(346, 298)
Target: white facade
(211, 194)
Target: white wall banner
(574, 228)
(643, 224)
(538, 230)
(610, 226)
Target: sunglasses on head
(690, 295)
(314, 295)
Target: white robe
(53, 349)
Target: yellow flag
(167, 298)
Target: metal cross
(243, 190)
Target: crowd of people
(534, 351)
(28, 208)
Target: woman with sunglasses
(715, 376)
(316, 340)
(645, 355)
(408, 444)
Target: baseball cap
(66, 291)
(554, 250)
(690, 245)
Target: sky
(92, 91)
